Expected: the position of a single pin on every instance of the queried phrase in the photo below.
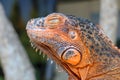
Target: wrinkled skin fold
(79, 46)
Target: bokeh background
(18, 12)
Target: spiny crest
(116, 48)
(102, 34)
(73, 20)
(90, 28)
(93, 36)
(106, 38)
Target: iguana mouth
(51, 54)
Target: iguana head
(70, 42)
(59, 37)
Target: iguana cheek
(83, 72)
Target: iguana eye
(73, 34)
(72, 56)
(54, 20)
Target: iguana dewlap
(77, 45)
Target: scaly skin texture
(77, 45)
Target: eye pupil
(73, 34)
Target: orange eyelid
(52, 21)
(72, 59)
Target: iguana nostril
(39, 22)
(30, 24)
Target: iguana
(79, 46)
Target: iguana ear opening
(72, 56)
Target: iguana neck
(98, 43)
(102, 50)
